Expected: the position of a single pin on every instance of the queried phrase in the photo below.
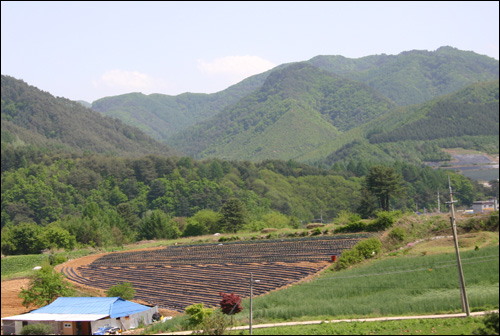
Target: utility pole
(439, 203)
(463, 293)
(251, 303)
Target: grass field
(452, 326)
(392, 286)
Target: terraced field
(175, 277)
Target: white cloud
(126, 81)
(235, 66)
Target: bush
(197, 313)
(215, 324)
(37, 329)
(57, 259)
(352, 227)
(123, 290)
(368, 247)
(316, 232)
(363, 250)
(385, 219)
(491, 325)
(348, 258)
(397, 234)
(475, 224)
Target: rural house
(485, 206)
(83, 315)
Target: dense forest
(32, 116)
(103, 200)
(295, 110)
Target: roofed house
(485, 206)
(83, 315)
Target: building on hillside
(83, 315)
(485, 206)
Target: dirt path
(11, 303)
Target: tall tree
(384, 183)
(233, 214)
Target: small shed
(485, 206)
(83, 315)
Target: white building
(83, 315)
(485, 206)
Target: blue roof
(112, 306)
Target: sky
(89, 50)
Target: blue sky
(90, 50)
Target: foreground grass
(449, 326)
(401, 285)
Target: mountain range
(324, 110)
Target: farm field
(175, 277)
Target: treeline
(103, 201)
(446, 119)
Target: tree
(230, 303)
(158, 225)
(26, 238)
(197, 313)
(54, 236)
(123, 290)
(215, 324)
(384, 183)
(233, 214)
(45, 286)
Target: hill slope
(408, 78)
(468, 117)
(414, 76)
(295, 110)
(32, 116)
(161, 115)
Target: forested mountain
(467, 118)
(415, 76)
(297, 108)
(32, 116)
(407, 78)
(162, 115)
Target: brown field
(174, 277)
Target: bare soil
(11, 303)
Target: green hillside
(32, 116)
(414, 76)
(161, 115)
(298, 108)
(407, 78)
(467, 118)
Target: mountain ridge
(294, 102)
(32, 116)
